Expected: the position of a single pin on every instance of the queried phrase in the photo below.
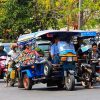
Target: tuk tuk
(43, 70)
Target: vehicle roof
(25, 37)
(72, 32)
(40, 33)
(80, 33)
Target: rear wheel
(27, 82)
(70, 82)
(12, 82)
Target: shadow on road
(78, 88)
(48, 89)
(53, 89)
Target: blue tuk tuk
(45, 71)
(62, 73)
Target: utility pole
(80, 17)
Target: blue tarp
(88, 34)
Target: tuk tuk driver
(54, 51)
(55, 48)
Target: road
(41, 92)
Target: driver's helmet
(1, 46)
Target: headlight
(69, 59)
(63, 58)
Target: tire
(20, 83)
(12, 82)
(47, 69)
(70, 82)
(27, 82)
(86, 82)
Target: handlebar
(95, 59)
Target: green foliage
(45, 14)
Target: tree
(91, 13)
(45, 14)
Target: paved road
(41, 92)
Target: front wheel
(70, 82)
(27, 82)
(20, 83)
(47, 69)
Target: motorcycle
(96, 76)
(12, 72)
(84, 73)
(3, 69)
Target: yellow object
(63, 58)
(12, 74)
(9, 65)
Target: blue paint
(88, 33)
(28, 72)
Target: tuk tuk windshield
(44, 47)
(64, 46)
